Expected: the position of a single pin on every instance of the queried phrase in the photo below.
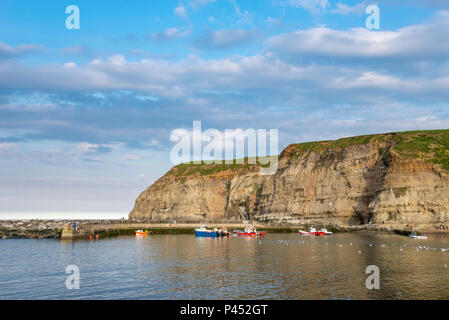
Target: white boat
(313, 232)
(413, 235)
(305, 233)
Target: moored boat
(250, 232)
(141, 233)
(204, 232)
(413, 235)
(314, 232)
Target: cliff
(394, 180)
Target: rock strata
(395, 180)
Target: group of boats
(216, 233)
(252, 232)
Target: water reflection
(279, 266)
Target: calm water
(279, 266)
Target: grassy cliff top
(204, 169)
(431, 145)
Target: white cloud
(245, 17)
(169, 34)
(180, 11)
(92, 148)
(357, 9)
(11, 52)
(6, 146)
(425, 41)
(274, 21)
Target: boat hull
(251, 234)
(209, 234)
(418, 237)
(316, 233)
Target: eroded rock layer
(396, 180)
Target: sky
(86, 114)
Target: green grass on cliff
(430, 145)
(204, 169)
(321, 146)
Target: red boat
(313, 232)
(250, 232)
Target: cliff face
(393, 180)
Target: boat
(223, 232)
(305, 233)
(314, 232)
(141, 233)
(215, 233)
(413, 235)
(326, 233)
(204, 232)
(250, 232)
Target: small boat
(413, 235)
(204, 232)
(223, 232)
(141, 233)
(250, 232)
(314, 232)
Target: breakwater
(63, 229)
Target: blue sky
(86, 115)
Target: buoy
(96, 236)
(90, 237)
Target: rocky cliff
(395, 180)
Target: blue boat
(203, 232)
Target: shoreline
(54, 228)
